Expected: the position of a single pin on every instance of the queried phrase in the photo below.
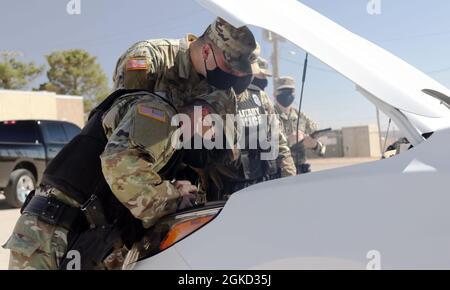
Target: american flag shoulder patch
(137, 63)
(152, 113)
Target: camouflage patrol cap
(260, 66)
(222, 102)
(264, 67)
(285, 83)
(255, 55)
(237, 44)
(256, 52)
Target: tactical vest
(251, 111)
(77, 172)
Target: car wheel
(21, 182)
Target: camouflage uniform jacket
(139, 144)
(162, 66)
(289, 121)
(215, 173)
(289, 125)
(130, 163)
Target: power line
(117, 35)
(439, 71)
(445, 69)
(423, 35)
(310, 66)
(393, 39)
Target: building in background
(333, 141)
(41, 105)
(361, 141)
(354, 142)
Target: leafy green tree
(15, 74)
(76, 72)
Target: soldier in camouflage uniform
(248, 168)
(131, 163)
(137, 128)
(35, 244)
(184, 68)
(284, 96)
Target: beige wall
(23, 105)
(374, 138)
(362, 141)
(70, 109)
(18, 105)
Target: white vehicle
(389, 214)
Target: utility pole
(379, 132)
(275, 58)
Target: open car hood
(393, 85)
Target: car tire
(20, 181)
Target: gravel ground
(8, 219)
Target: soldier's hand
(293, 136)
(309, 142)
(188, 194)
(185, 187)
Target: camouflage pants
(36, 245)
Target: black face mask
(242, 84)
(224, 81)
(285, 99)
(260, 83)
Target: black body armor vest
(77, 172)
(251, 111)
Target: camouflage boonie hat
(237, 44)
(285, 83)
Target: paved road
(330, 163)
(9, 216)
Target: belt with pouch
(52, 211)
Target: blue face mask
(224, 81)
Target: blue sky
(418, 31)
